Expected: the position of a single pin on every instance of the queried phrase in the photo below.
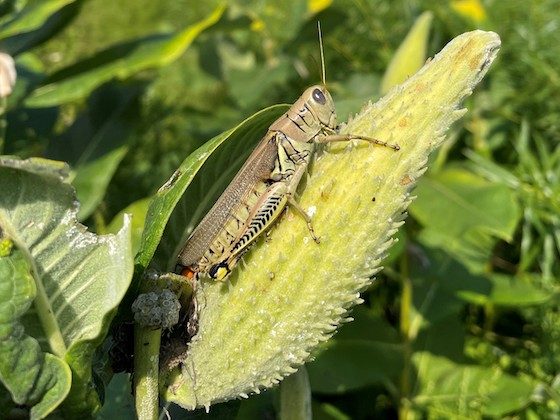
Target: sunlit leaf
(118, 62)
(35, 378)
(411, 54)
(137, 211)
(80, 277)
(448, 389)
(31, 17)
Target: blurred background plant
(464, 319)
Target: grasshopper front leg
(334, 137)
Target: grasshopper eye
(319, 97)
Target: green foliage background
(464, 319)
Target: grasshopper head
(310, 115)
(320, 103)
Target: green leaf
(464, 213)
(456, 200)
(354, 92)
(410, 55)
(257, 407)
(449, 390)
(248, 87)
(31, 17)
(213, 172)
(95, 144)
(491, 170)
(20, 43)
(440, 282)
(368, 326)
(352, 364)
(367, 351)
(138, 211)
(510, 291)
(36, 379)
(80, 277)
(92, 179)
(445, 336)
(119, 403)
(118, 62)
(281, 20)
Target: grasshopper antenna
(323, 72)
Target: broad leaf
(351, 364)
(95, 144)
(80, 277)
(21, 42)
(464, 214)
(440, 282)
(119, 403)
(118, 62)
(367, 351)
(446, 389)
(249, 86)
(36, 379)
(444, 384)
(368, 326)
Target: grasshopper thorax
(313, 113)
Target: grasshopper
(264, 186)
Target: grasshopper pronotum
(265, 184)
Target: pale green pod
(291, 294)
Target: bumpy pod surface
(291, 293)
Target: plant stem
(146, 371)
(405, 321)
(295, 397)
